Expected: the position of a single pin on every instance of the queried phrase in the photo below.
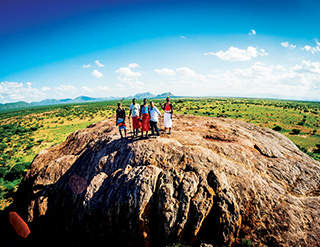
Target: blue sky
(253, 48)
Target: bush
(277, 128)
(295, 132)
(18, 168)
(317, 150)
(17, 171)
(3, 172)
(246, 242)
(30, 145)
(34, 128)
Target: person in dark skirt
(154, 113)
(121, 120)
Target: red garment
(136, 124)
(167, 107)
(145, 122)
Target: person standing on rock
(145, 117)
(154, 113)
(121, 120)
(168, 111)
(135, 110)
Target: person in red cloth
(121, 120)
(145, 117)
(135, 110)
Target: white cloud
(104, 88)
(66, 88)
(45, 88)
(277, 67)
(236, 54)
(118, 85)
(253, 32)
(303, 48)
(97, 74)
(310, 48)
(165, 71)
(13, 91)
(86, 66)
(315, 49)
(98, 63)
(182, 37)
(127, 72)
(287, 45)
(133, 65)
(263, 52)
(307, 48)
(258, 70)
(84, 88)
(190, 74)
(307, 67)
(126, 78)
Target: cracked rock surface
(213, 181)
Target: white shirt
(154, 114)
(135, 109)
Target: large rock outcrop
(214, 181)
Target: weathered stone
(213, 181)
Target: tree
(295, 132)
(277, 128)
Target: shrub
(18, 168)
(34, 128)
(3, 172)
(246, 242)
(277, 128)
(317, 150)
(30, 145)
(10, 187)
(295, 132)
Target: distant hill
(151, 96)
(143, 95)
(16, 105)
(80, 99)
(165, 95)
(51, 102)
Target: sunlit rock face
(213, 180)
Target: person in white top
(135, 110)
(154, 113)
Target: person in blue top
(145, 117)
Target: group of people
(144, 118)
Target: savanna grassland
(25, 132)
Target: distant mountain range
(80, 99)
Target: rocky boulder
(213, 180)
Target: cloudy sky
(67, 48)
